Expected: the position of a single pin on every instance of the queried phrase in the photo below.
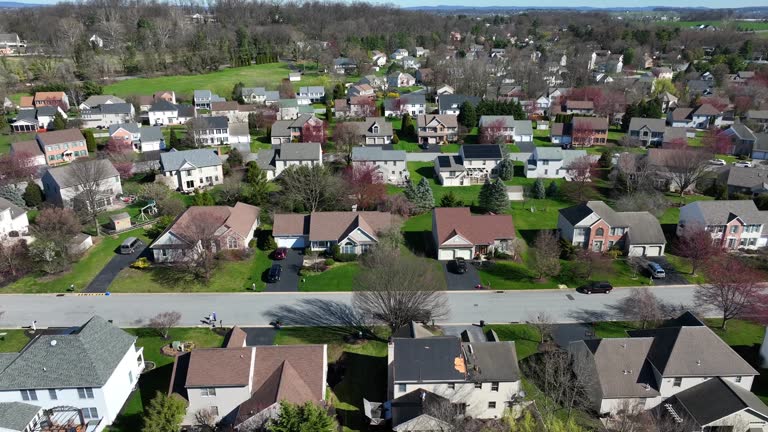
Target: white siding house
(64, 187)
(390, 164)
(191, 169)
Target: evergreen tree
(631, 111)
(328, 112)
(235, 158)
(174, 141)
(405, 127)
(301, 418)
(553, 190)
(450, 200)
(339, 92)
(33, 195)
(467, 115)
(506, 169)
(165, 413)
(90, 141)
(493, 197)
(409, 191)
(203, 198)
(539, 192)
(59, 123)
(425, 200)
(606, 159)
(257, 190)
(237, 92)
(3, 122)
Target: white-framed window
(734, 229)
(348, 248)
(401, 388)
(207, 392)
(677, 382)
(28, 395)
(737, 379)
(492, 405)
(52, 394)
(231, 242)
(494, 386)
(85, 393)
(90, 413)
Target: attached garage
(646, 250)
(299, 242)
(449, 254)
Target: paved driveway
(460, 282)
(289, 279)
(673, 277)
(101, 282)
(259, 335)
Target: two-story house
(758, 117)
(79, 184)
(93, 367)
(62, 146)
(585, 107)
(277, 159)
(747, 181)
(163, 113)
(229, 228)
(552, 162)
(437, 129)
(13, 220)
(742, 139)
(400, 79)
(344, 66)
(254, 95)
(589, 131)
(648, 131)
(734, 224)
(29, 152)
(399, 54)
(413, 104)
(142, 139)
(204, 98)
(314, 93)
(507, 127)
(451, 104)
(375, 81)
(96, 100)
(212, 131)
(595, 226)
(474, 164)
(353, 232)
(701, 117)
(56, 98)
(457, 233)
(32, 120)
(188, 170)
(361, 90)
(375, 131)
(285, 131)
(390, 164)
(105, 115)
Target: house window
(494, 386)
(401, 388)
(677, 382)
(737, 379)
(600, 232)
(478, 385)
(90, 413)
(207, 392)
(28, 395)
(348, 248)
(492, 405)
(734, 229)
(452, 386)
(231, 242)
(85, 393)
(52, 394)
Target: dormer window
(375, 128)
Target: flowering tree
(583, 133)
(493, 132)
(314, 131)
(120, 153)
(364, 183)
(697, 246)
(716, 141)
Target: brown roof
(478, 229)
(360, 100)
(337, 225)
(60, 136)
(236, 338)
(239, 218)
(242, 217)
(49, 95)
(225, 106)
(219, 367)
(162, 94)
(340, 105)
(669, 158)
(28, 148)
(289, 224)
(595, 123)
(447, 119)
(27, 101)
(680, 114)
(249, 108)
(145, 100)
(707, 110)
(573, 104)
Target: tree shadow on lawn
(150, 383)
(327, 316)
(354, 377)
(427, 172)
(172, 277)
(419, 242)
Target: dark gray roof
(374, 153)
(481, 151)
(748, 177)
(454, 101)
(427, 359)
(97, 100)
(757, 114)
(449, 163)
(186, 110)
(173, 160)
(48, 111)
(65, 176)
(130, 127)
(151, 133)
(113, 108)
(265, 158)
(413, 99)
(281, 128)
(602, 209)
(492, 361)
(258, 91)
(576, 214)
(655, 125)
(722, 211)
(219, 122)
(16, 416)
(644, 228)
(417, 403)
(15, 210)
(715, 399)
(761, 141)
(743, 132)
(365, 127)
(299, 151)
(26, 114)
(163, 105)
(84, 358)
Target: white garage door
(653, 251)
(445, 254)
(291, 242)
(636, 251)
(449, 254)
(464, 253)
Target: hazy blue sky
(571, 3)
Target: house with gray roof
(204, 98)
(254, 95)
(31, 120)
(188, 170)
(374, 131)
(733, 224)
(284, 131)
(760, 149)
(451, 104)
(142, 139)
(552, 162)
(649, 131)
(13, 220)
(760, 118)
(506, 126)
(80, 183)
(315, 94)
(595, 226)
(747, 181)
(279, 158)
(93, 367)
(742, 139)
(104, 115)
(213, 131)
(391, 165)
(96, 100)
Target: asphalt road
(258, 309)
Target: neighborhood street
(259, 309)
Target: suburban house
(474, 164)
(390, 164)
(507, 126)
(314, 93)
(734, 224)
(13, 220)
(62, 146)
(700, 118)
(742, 139)
(551, 162)
(39, 119)
(25, 417)
(204, 98)
(375, 81)
(56, 98)
(361, 90)
(425, 76)
(451, 104)
(228, 228)
(399, 54)
(579, 107)
(378, 58)
(650, 367)
(340, 108)
(11, 43)
(96, 100)
(759, 117)
(669, 167)
(64, 185)
(410, 63)
(478, 379)
(362, 106)
(353, 232)
(98, 384)
(242, 386)
(344, 65)
(561, 133)
(275, 160)
(668, 101)
(675, 135)
(649, 131)
(437, 128)
(460, 234)
(375, 131)
(254, 95)
(209, 130)
(595, 226)
(105, 115)
(413, 104)
(163, 113)
(747, 181)
(760, 149)
(166, 95)
(285, 131)
(588, 131)
(400, 79)
(230, 110)
(188, 170)
(29, 150)
(142, 139)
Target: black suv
(596, 287)
(460, 265)
(274, 273)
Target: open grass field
(735, 24)
(220, 82)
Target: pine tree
(165, 413)
(450, 200)
(409, 191)
(506, 169)
(33, 195)
(405, 127)
(493, 197)
(631, 111)
(300, 418)
(467, 115)
(553, 190)
(173, 140)
(59, 123)
(425, 200)
(90, 141)
(203, 198)
(538, 189)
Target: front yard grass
(525, 336)
(339, 277)
(7, 139)
(82, 272)
(13, 341)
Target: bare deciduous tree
(640, 306)
(543, 323)
(545, 255)
(696, 244)
(731, 288)
(198, 228)
(313, 188)
(687, 167)
(163, 322)
(94, 180)
(346, 135)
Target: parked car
(718, 162)
(129, 245)
(596, 287)
(274, 273)
(743, 164)
(280, 253)
(460, 265)
(656, 271)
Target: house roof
(299, 151)
(644, 228)
(681, 114)
(723, 211)
(707, 110)
(133, 128)
(66, 176)
(675, 133)
(290, 224)
(17, 416)
(761, 141)
(203, 94)
(60, 136)
(557, 153)
(151, 133)
(56, 95)
(374, 153)
(365, 127)
(595, 123)
(337, 225)
(748, 177)
(236, 338)
(225, 106)
(655, 125)
(186, 111)
(240, 219)
(418, 410)
(560, 129)
(27, 101)
(757, 114)
(454, 101)
(481, 151)
(253, 91)
(447, 163)
(577, 213)
(31, 148)
(477, 229)
(46, 111)
(742, 131)
(219, 367)
(113, 108)
(47, 361)
(163, 105)
(717, 398)
(175, 159)
(429, 359)
(491, 361)
(97, 100)
(413, 99)
(620, 366)
(218, 122)
(580, 105)
(311, 89)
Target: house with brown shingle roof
(457, 233)
(59, 99)
(243, 386)
(579, 107)
(230, 227)
(62, 146)
(353, 232)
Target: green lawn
(7, 139)
(82, 272)
(228, 277)
(260, 143)
(735, 24)
(340, 277)
(220, 82)
(525, 336)
(13, 341)
(672, 214)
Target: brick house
(62, 146)
(734, 224)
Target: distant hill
(16, 5)
(486, 9)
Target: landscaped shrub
(329, 262)
(266, 241)
(141, 263)
(342, 257)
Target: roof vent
(53, 342)
(698, 362)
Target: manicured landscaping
(339, 277)
(81, 273)
(13, 340)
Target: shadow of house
(362, 376)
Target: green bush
(267, 243)
(253, 243)
(342, 257)
(329, 262)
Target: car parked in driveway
(460, 265)
(743, 164)
(656, 270)
(280, 253)
(718, 162)
(274, 273)
(596, 287)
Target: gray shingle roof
(151, 133)
(715, 399)
(299, 151)
(492, 361)
(163, 105)
(366, 127)
(130, 127)
(644, 228)
(743, 132)
(97, 100)
(655, 125)
(761, 142)
(721, 212)
(455, 101)
(219, 122)
(256, 91)
(16, 210)
(374, 153)
(173, 160)
(427, 359)
(65, 176)
(413, 99)
(113, 108)
(16, 416)
(281, 128)
(85, 358)
(48, 111)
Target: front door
(597, 246)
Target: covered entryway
(298, 242)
